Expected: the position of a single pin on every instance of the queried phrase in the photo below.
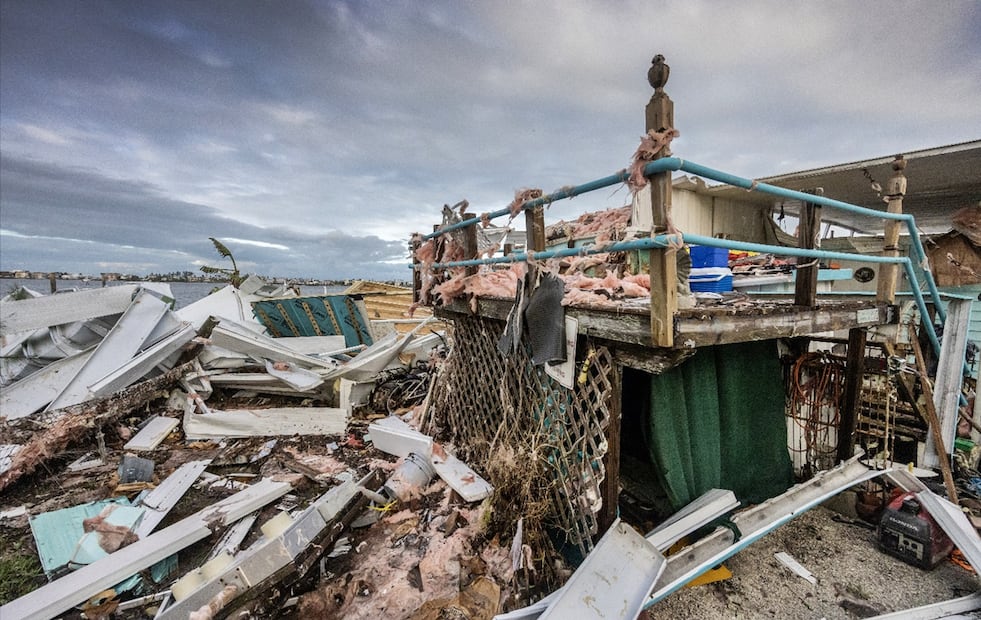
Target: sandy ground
(842, 556)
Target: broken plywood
(151, 435)
(265, 422)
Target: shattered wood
(73, 424)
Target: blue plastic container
(704, 256)
(710, 280)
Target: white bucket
(409, 477)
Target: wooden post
(414, 245)
(808, 233)
(470, 243)
(663, 262)
(53, 281)
(933, 422)
(895, 190)
(535, 229)
(854, 370)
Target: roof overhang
(940, 180)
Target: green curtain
(717, 421)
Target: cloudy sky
(313, 137)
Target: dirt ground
(854, 578)
(408, 566)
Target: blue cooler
(704, 256)
(710, 280)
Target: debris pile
(194, 465)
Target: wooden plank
(854, 370)
(950, 376)
(704, 327)
(659, 116)
(275, 422)
(934, 436)
(808, 234)
(470, 242)
(152, 434)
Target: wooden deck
(710, 325)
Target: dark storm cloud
(353, 121)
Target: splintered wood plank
(266, 422)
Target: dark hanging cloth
(545, 320)
(538, 316)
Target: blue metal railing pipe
(567, 192)
(662, 241)
(749, 184)
(674, 164)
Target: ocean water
(185, 293)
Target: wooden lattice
(479, 384)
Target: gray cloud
(337, 128)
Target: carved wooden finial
(657, 75)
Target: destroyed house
(634, 359)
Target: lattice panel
(478, 384)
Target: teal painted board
(57, 532)
(323, 315)
(62, 542)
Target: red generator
(908, 532)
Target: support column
(854, 370)
(895, 190)
(470, 243)
(663, 262)
(808, 237)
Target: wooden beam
(808, 237)
(932, 420)
(414, 245)
(470, 243)
(854, 370)
(699, 329)
(896, 189)
(535, 229)
(950, 375)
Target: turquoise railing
(674, 164)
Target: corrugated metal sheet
(323, 315)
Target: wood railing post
(414, 244)
(895, 190)
(808, 235)
(534, 234)
(470, 243)
(663, 261)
